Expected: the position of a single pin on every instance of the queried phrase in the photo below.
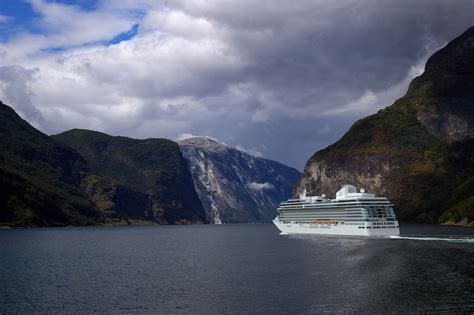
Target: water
(234, 269)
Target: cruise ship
(351, 213)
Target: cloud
(289, 75)
(185, 136)
(324, 130)
(259, 186)
(252, 151)
(15, 89)
(369, 102)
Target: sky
(279, 79)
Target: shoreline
(152, 223)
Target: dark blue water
(233, 269)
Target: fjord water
(233, 268)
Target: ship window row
(377, 227)
(347, 214)
(322, 216)
(321, 211)
(339, 203)
(362, 200)
(343, 218)
(359, 214)
(323, 219)
(339, 220)
(356, 206)
(383, 223)
(379, 199)
(371, 201)
(309, 209)
(330, 206)
(321, 222)
(347, 220)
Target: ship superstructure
(350, 213)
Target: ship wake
(444, 239)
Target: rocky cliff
(152, 172)
(419, 152)
(234, 186)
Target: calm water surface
(233, 269)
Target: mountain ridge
(154, 167)
(84, 177)
(40, 178)
(234, 186)
(416, 151)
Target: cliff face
(444, 94)
(44, 182)
(419, 152)
(116, 202)
(234, 186)
(152, 175)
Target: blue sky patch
(124, 36)
(23, 18)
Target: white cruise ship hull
(337, 229)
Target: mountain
(419, 152)
(235, 187)
(83, 177)
(40, 178)
(153, 171)
(46, 183)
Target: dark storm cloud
(281, 78)
(321, 58)
(343, 47)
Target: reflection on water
(407, 273)
(234, 268)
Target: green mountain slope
(154, 167)
(40, 179)
(419, 151)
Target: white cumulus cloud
(259, 186)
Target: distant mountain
(153, 171)
(419, 151)
(40, 178)
(235, 187)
